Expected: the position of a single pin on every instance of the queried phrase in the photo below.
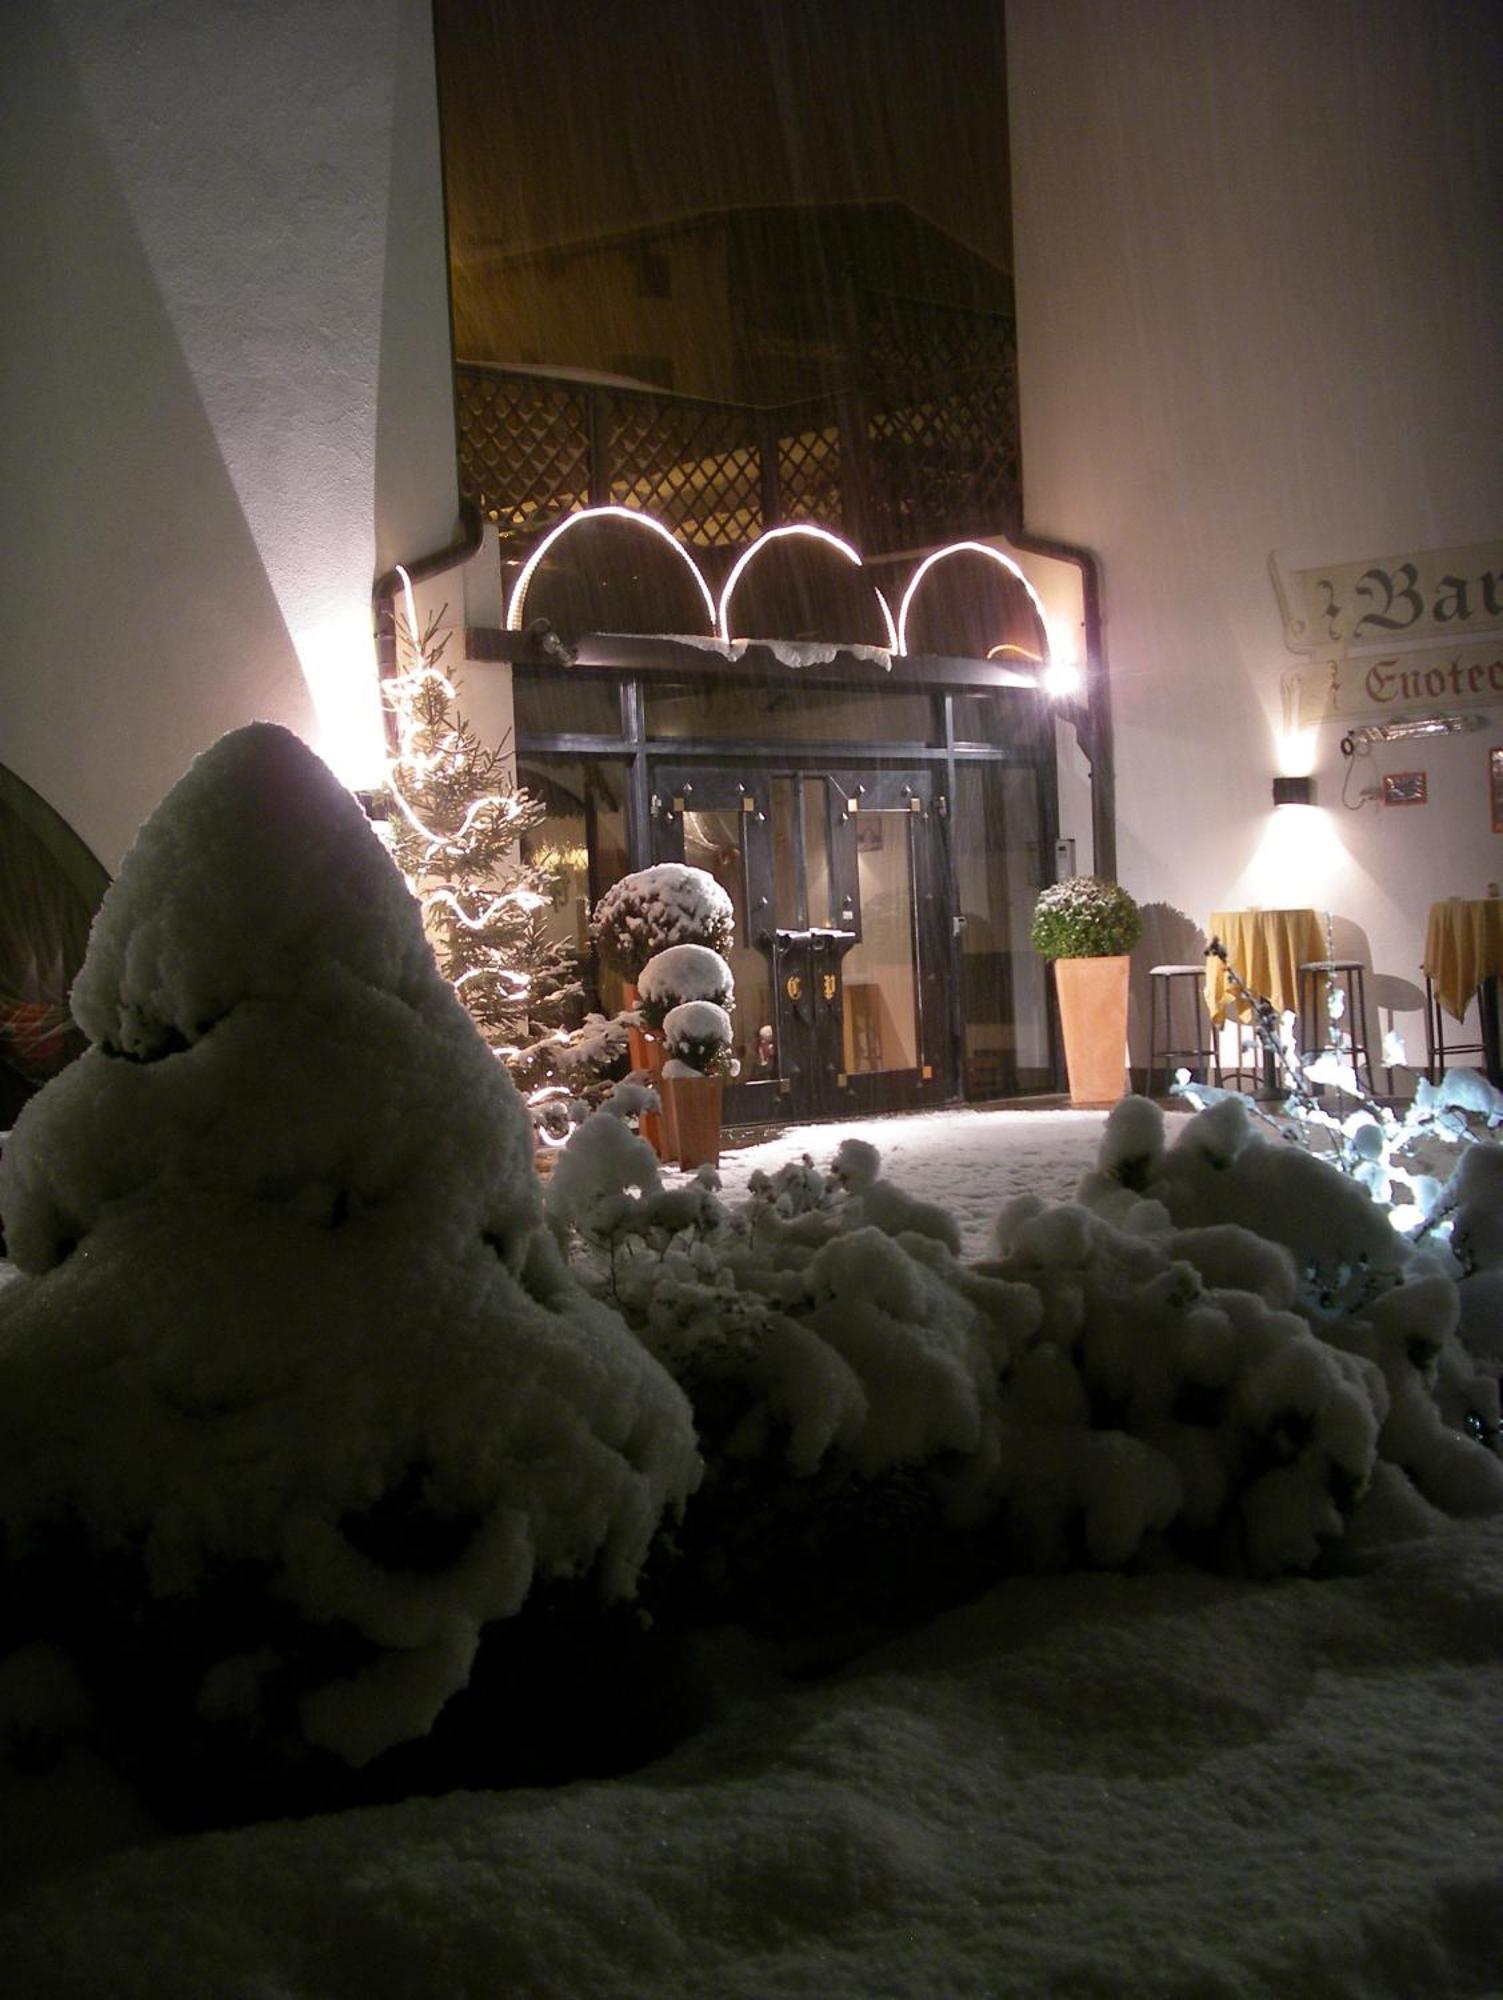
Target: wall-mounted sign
(1358, 687)
(1446, 594)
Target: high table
(1266, 949)
(1463, 956)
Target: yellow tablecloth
(1266, 949)
(1463, 946)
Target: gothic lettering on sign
(1377, 684)
(1445, 594)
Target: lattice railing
(925, 449)
(696, 466)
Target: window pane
(1010, 716)
(1002, 982)
(881, 991)
(583, 840)
(712, 841)
(556, 702)
(781, 713)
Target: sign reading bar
(1444, 594)
(1379, 684)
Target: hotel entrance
(838, 882)
(880, 805)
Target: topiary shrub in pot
(697, 1045)
(1087, 926)
(683, 972)
(647, 912)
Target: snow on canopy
(290, 1310)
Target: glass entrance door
(842, 928)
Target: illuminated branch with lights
(462, 831)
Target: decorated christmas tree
(458, 827)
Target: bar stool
(1161, 981)
(1351, 973)
(1437, 1055)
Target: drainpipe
(1097, 716)
(385, 590)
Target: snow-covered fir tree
(458, 826)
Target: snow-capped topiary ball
(654, 908)
(697, 1036)
(682, 973)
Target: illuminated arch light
(517, 607)
(817, 533)
(1004, 562)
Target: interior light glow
(517, 609)
(973, 548)
(790, 528)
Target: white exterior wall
(1260, 295)
(227, 402)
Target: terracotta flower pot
(1093, 1014)
(696, 1118)
(647, 1054)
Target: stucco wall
(1260, 291)
(227, 401)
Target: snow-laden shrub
(1212, 1352)
(682, 973)
(697, 1040)
(298, 1401)
(1084, 916)
(654, 908)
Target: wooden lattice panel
(524, 446)
(941, 422)
(696, 466)
(809, 476)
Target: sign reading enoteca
(1364, 628)
(1356, 687)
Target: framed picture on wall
(1495, 786)
(1404, 788)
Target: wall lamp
(1404, 726)
(1294, 791)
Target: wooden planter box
(1093, 1015)
(695, 1118)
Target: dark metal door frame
(805, 958)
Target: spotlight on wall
(1294, 791)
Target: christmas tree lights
(458, 829)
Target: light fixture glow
(516, 609)
(1062, 680)
(782, 533)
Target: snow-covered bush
(1221, 1350)
(1085, 916)
(682, 973)
(697, 1040)
(299, 1404)
(654, 908)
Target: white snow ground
(968, 1162)
(1080, 1785)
